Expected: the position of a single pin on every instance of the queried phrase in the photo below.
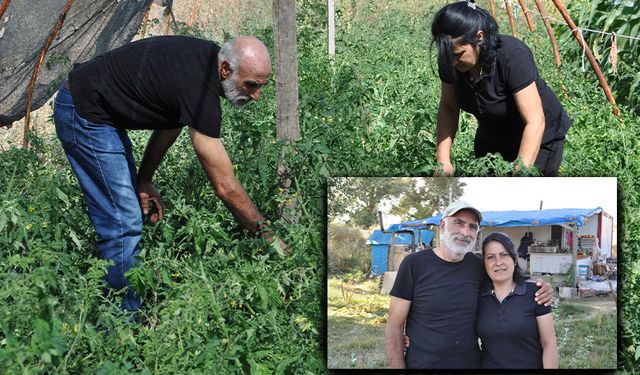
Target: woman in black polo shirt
(515, 331)
(494, 77)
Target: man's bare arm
(157, 147)
(217, 165)
(393, 333)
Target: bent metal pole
(592, 60)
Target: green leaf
(275, 245)
(63, 197)
(75, 239)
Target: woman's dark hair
(463, 20)
(506, 242)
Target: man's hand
(147, 194)
(407, 343)
(544, 296)
(443, 169)
(279, 244)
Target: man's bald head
(244, 67)
(247, 52)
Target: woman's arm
(530, 108)
(548, 341)
(448, 114)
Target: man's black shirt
(442, 318)
(154, 83)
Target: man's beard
(458, 251)
(233, 95)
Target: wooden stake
(331, 32)
(510, 14)
(525, 11)
(493, 9)
(145, 20)
(587, 50)
(194, 11)
(3, 7)
(552, 36)
(36, 70)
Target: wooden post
(587, 50)
(331, 32)
(286, 72)
(43, 52)
(510, 14)
(547, 25)
(525, 11)
(286, 77)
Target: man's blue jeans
(102, 160)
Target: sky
(510, 193)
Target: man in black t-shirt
(162, 84)
(436, 295)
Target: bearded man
(162, 84)
(436, 295)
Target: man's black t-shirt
(154, 83)
(442, 318)
(509, 329)
(490, 98)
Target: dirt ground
(604, 304)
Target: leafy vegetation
(621, 17)
(215, 298)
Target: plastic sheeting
(379, 238)
(518, 218)
(380, 243)
(91, 27)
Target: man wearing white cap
(436, 294)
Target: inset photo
(472, 273)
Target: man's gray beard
(232, 93)
(455, 250)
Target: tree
(427, 196)
(356, 200)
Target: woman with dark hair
(494, 77)
(515, 331)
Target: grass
(356, 317)
(586, 332)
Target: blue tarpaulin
(518, 218)
(379, 238)
(380, 243)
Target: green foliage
(347, 250)
(427, 196)
(215, 298)
(623, 18)
(360, 198)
